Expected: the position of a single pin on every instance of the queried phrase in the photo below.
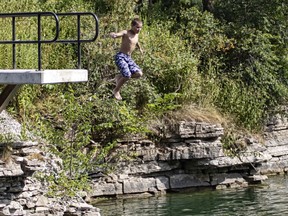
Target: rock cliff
(192, 155)
(188, 155)
(21, 192)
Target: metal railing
(55, 39)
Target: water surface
(270, 198)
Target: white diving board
(33, 76)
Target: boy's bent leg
(137, 74)
(117, 77)
(119, 84)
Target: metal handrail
(30, 14)
(79, 40)
(56, 39)
(79, 14)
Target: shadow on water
(270, 198)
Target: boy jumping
(126, 65)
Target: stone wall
(21, 192)
(191, 155)
(276, 146)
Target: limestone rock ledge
(191, 155)
(21, 193)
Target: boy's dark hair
(136, 21)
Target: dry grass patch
(6, 154)
(198, 114)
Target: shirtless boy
(128, 68)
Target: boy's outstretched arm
(118, 34)
(139, 47)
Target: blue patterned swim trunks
(126, 65)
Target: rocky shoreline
(190, 155)
(21, 192)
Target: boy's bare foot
(117, 95)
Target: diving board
(14, 78)
(33, 76)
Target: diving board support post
(6, 95)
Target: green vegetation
(232, 59)
(6, 147)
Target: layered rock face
(276, 146)
(191, 155)
(21, 192)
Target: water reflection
(270, 198)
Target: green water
(270, 198)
